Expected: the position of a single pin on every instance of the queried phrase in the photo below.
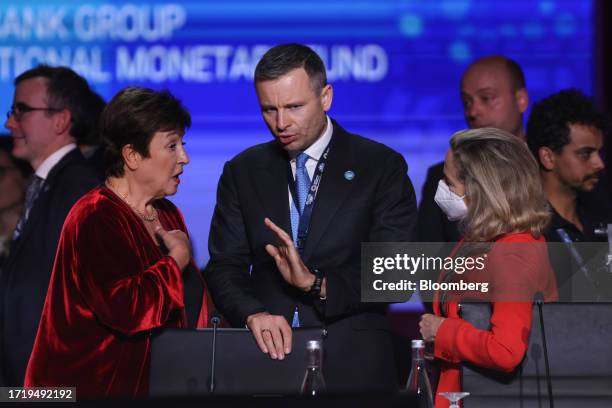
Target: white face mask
(453, 206)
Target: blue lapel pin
(349, 175)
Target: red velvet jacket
(111, 285)
(515, 272)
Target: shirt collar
(45, 167)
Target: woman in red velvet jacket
(491, 183)
(124, 260)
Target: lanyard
(304, 224)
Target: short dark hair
(93, 103)
(548, 124)
(281, 59)
(68, 90)
(132, 117)
(6, 145)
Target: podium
(578, 338)
(181, 363)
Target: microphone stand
(539, 301)
(609, 258)
(214, 320)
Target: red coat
(110, 286)
(515, 271)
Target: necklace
(143, 216)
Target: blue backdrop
(395, 65)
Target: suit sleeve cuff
(251, 311)
(444, 344)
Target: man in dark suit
(493, 94)
(46, 120)
(266, 202)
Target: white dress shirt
(314, 152)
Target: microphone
(214, 321)
(569, 243)
(539, 301)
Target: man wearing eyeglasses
(48, 117)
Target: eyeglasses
(21, 109)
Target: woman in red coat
(491, 183)
(123, 266)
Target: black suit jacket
(433, 225)
(25, 274)
(377, 205)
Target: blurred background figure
(566, 134)
(14, 175)
(47, 119)
(90, 143)
(493, 94)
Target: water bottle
(418, 381)
(313, 384)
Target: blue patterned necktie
(302, 185)
(31, 195)
(302, 181)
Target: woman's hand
(178, 245)
(429, 326)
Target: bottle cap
(418, 344)
(313, 345)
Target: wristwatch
(315, 289)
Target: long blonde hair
(502, 184)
